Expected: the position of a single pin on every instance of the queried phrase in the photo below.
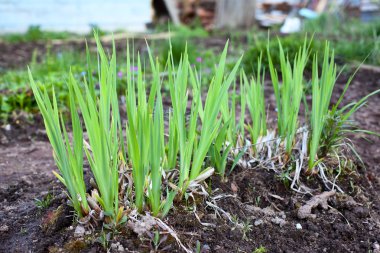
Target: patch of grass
(260, 249)
(351, 39)
(15, 93)
(186, 38)
(290, 47)
(359, 49)
(254, 91)
(329, 127)
(68, 156)
(195, 31)
(177, 46)
(247, 227)
(51, 71)
(44, 202)
(338, 124)
(333, 26)
(34, 33)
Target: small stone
(114, 246)
(211, 216)
(61, 196)
(4, 228)
(142, 226)
(7, 127)
(298, 226)
(278, 221)
(43, 193)
(376, 247)
(79, 231)
(234, 187)
(282, 215)
(361, 212)
(205, 249)
(120, 248)
(258, 222)
(27, 180)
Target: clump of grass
(260, 249)
(44, 202)
(322, 89)
(290, 45)
(289, 93)
(147, 152)
(329, 127)
(68, 156)
(338, 124)
(220, 150)
(177, 46)
(193, 147)
(145, 138)
(217, 92)
(254, 91)
(102, 121)
(228, 136)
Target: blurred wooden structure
(235, 13)
(212, 13)
(244, 13)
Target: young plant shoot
(102, 121)
(289, 93)
(256, 104)
(322, 89)
(68, 157)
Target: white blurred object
(291, 25)
(307, 13)
(367, 5)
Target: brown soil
(15, 55)
(256, 197)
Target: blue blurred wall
(74, 15)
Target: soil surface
(257, 199)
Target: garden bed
(253, 211)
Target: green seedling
(44, 202)
(68, 156)
(256, 104)
(289, 93)
(322, 89)
(330, 127)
